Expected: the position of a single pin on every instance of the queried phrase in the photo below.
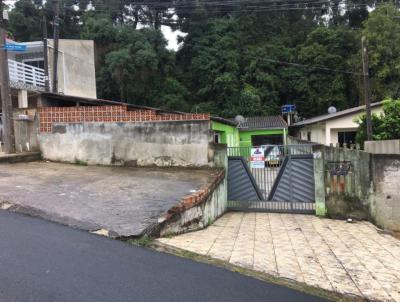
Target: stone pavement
(348, 258)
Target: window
(272, 139)
(309, 136)
(347, 137)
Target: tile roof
(263, 122)
(325, 117)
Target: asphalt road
(46, 262)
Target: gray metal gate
(285, 184)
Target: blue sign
(15, 47)
(288, 108)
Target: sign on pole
(288, 109)
(15, 47)
(257, 158)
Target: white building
(334, 128)
(76, 71)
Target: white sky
(171, 37)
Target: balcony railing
(24, 73)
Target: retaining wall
(200, 209)
(114, 135)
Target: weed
(144, 241)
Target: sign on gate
(257, 158)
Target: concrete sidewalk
(354, 259)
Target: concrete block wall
(385, 199)
(115, 135)
(173, 143)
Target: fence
(274, 157)
(26, 74)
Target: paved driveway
(124, 201)
(46, 262)
(352, 259)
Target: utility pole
(364, 51)
(6, 103)
(56, 26)
(45, 53)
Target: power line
(314, 67)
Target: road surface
(46, 262)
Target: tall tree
(382, 31)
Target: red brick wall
(106, 114)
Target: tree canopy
(237, 57)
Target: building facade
(336, 128)
(252, 131)
(76, 71)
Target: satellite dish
(332, 110)
(239, 119)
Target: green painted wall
(232, 137)
(229, 134)
(245, 136)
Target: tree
(385, 126)
(321, 88)
(25, 20)
(382, 31)
(237, 57)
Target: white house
(339, 127)
(76, 71)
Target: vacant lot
(124, 201)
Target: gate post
(319, 179)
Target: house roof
(262, 122)
(325, 117)
(91, 101)
(224, 121)
(255, 122)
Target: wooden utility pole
(56, 27)
(45, 53)
(364, 51)
(6, 103)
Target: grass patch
(145, 241)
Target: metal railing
(24, 73)
(274, 158)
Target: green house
(251, 131)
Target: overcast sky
(171, 36)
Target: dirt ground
(124, 201)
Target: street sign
(288, 108)
(15, 47)
(257, 158)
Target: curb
(289, 283)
